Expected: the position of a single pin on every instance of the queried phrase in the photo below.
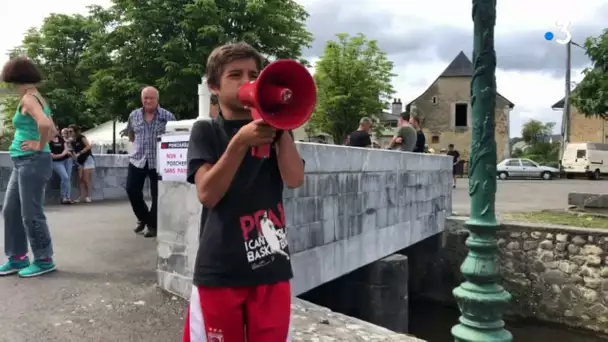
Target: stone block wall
(109, 178)
(382, 283)
(356, 206)
(554, 273)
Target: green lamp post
(480, 299)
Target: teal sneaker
(12, 266)
(37, 268)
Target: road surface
(528, 195)
(104, 289)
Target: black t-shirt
(78, 145)
(57, 147)
(454, 154)
(359, 139)
(238, 232)
(420, 142)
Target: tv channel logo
(565, 36)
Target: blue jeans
(23, 211)
(64, 169)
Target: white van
(590, 159)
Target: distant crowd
(409, 138)
(71, 149)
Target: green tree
(8, 106)
(534, 131)
(146, 46)
(591, 95)
(57, 47)
(353, 80)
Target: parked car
(524, 168)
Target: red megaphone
(284, 96)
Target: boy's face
(235, 74)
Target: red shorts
(254, 314)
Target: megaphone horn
(284, 96)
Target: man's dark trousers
(136, 179)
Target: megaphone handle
(262, 151)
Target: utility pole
(480, 298)
(566, 115)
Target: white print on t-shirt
(272, 235)
(264, 236)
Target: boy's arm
(290, 163)
(211, 173)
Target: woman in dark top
(84, 162)
(62, 164)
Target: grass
(561, 218)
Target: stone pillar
(380, 291)
(204, 100)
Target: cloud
(423, 37)
(407, 38)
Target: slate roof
(461, 66)
(559, 104)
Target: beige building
(582, 128)
(444, 110)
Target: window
(394, 124)
(581, 154)
(527, 163)
(434, 99)
(461, 116)
(513, 162)
(435, 139)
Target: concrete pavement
(104, 289)
(528, 195)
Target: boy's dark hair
(405, 116)
(451, 145)
(228, 53)
(20, 70)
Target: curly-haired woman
(23, 209)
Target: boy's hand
(256, 133)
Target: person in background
(85, 163)
(399, 140)
(420, 138)
(23, 208)
(361, 137)
(62, 164)
(65, 134)
(452, 152)
(144, 126)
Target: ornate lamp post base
(480, 299)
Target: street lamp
(480, 299)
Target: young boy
(241, 286)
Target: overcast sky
(422, 37)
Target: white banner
(172, 160)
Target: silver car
(524, 168)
